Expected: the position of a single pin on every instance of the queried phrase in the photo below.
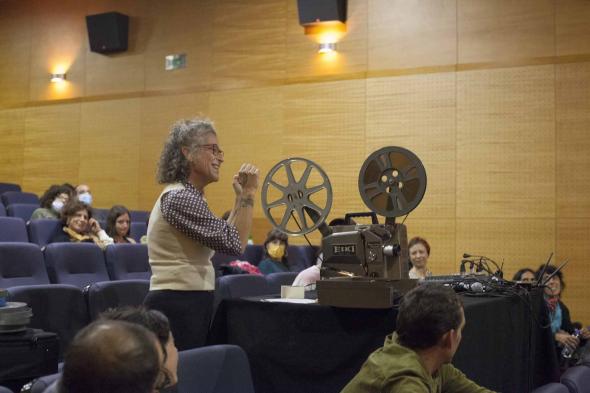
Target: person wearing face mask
(275, 248)
(80, 227)
(83, 194)
(52, 202)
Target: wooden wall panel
(418, 113)
(517, 242)
(183, 28)
(250, 129)
(157, 116)
(248, 43)
(12, 132)
(440, 234)
(304, 61)
(506, 143)
(573, 140)
(118, 72)
(572, 244)
(406, 34)
(52, 146)
(109, 151)
(325, 123)
(504, 30)
(15, 51)
(58, 45)
(572, 30)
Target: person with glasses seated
(183, 233)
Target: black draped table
(308, 348)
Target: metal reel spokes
(392, 181)
(296, 196)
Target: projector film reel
(296, 204)
(392, 181)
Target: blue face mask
(86, 198)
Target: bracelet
(245, 202)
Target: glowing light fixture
(324, 21)
(327, 47)
(56, 78)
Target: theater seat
(5, 390)
(22, 210)
(300, 257)
(21, 264)
(253, 254)
(100, 215)
(11, 197)
(577, 379)
(13, 229)
(60, 309)
(4, 187)
(110, 294)
(78, 264)
(239, 285)
(43, 384)
(42, 230)
(138, 229)
(128, 262)
(214, 369)
(551, 388)
(276, 280)
(2, 210)
(139, 216)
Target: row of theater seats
(40, 232)
(573, 380)
(81, 264)
(212, 369)
(64, 309)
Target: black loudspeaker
(313, 11)
(108, 32)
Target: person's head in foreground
(157, 323)
(113, 357)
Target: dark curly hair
(52, 192)
(71, 208)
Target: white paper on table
(298, 301)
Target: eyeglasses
(213, 148)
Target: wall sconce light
(327, 47)
(56, 78)
(324, 21)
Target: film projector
(363, 265)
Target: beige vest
(177, 262)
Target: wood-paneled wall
(492, 95)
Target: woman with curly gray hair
(183, 233)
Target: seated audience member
(51, 202)
(157, 323)
(419, 251)
(562, 327)
(113, 357)
(312, 274)
(119, 224)
(79, 226)
(524, 275)
(83, 194)
(275, 253)
(417, 356)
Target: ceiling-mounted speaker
(108, 32)
(317, 11)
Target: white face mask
(86, 198)
(57, 205)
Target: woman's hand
(236, 185)
(94, 226)
(585, 333)
(247, 180)
(567, 340)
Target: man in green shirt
(417, 357)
